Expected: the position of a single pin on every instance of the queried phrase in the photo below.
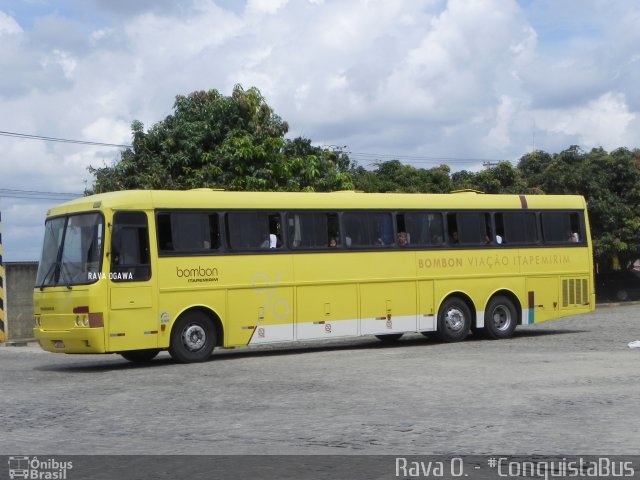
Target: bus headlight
(85, 321)
(78, 322)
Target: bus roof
(204, 198)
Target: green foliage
(393, 176)
(609, 181)
(503, 178)
(235, 142)
(611, 184)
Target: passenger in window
(574, 238)
(403, 239)
(453, 238)
(333, 242)
(271, 242)
(499, 239)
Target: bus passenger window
(421, 228)
(517, 227)
(188, 232)
(130, 258)
(313, 230)
(368, 229)
(561, 227)
(254, 230)
(469, 228)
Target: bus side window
(468, 228)
(561, 227)
(517, 227)
(367, 229)
(422, 228)
(188, 232)
(254, 230)
(313, 230)
(130, 259)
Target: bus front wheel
(500, 318)
(192, 338)
(454, 320)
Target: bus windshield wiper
(64, 270)
(44, 279)
(61, 266)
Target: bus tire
(454, 321)
(140, 356)
(389, 337)
(192, 338)
(622, 295)
(500, 318)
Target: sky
(429, 82)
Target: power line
(420, 158)
(33, 194)
(61, 140)
(371, 158)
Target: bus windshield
(72, 250)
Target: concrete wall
(20, 277)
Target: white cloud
(499, 137)
(63, 60)
(265, 6)
(116, 131)
(450, 78)
(21, 235)
(601, 122)
(8, 25)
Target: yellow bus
(138, 272)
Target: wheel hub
(194, 337)
(501, 318)
(454, 320)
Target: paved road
(570, 386)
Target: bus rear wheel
(192, 338)
(500, 318)
(454, 320)
(140, 356)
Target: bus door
(133, 323)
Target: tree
(502, 178)
(393, 176)
(610, 182)
(233, 142)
